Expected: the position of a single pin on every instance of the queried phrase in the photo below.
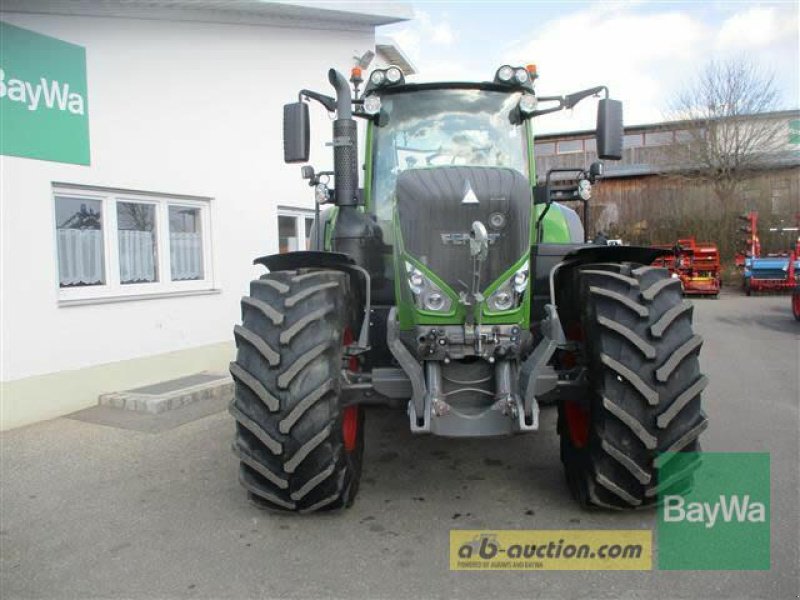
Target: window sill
(136, 297)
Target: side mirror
(610, 130)
(296, 132)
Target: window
(79, 236)
(590, 144)
(185, 243)
(138, 249)
(544, 149)
(114, 243)
(633, 140)
(570, 146)
(658, 138)
(294, 230)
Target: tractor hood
(436, 208)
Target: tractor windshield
(428, 128)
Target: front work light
(372, 105)
(528, 103)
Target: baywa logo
(45, 93)
(722, 521)
(728, 508)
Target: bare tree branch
(727, 135)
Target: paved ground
(95, 511)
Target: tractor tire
(645, 384)
(299, 449)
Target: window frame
(300, 216)
(578, 150)
(113, 289)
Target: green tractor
(455, 285)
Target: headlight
(510, 294)
(427, 295)
(501, 300)
(520, 281)
(372, 104)
(521, 75)
(433, 300)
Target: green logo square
(44, 112)
(723, 522)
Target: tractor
(446, 280)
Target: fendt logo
(44, 93)
(728, 508)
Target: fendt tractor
(455, 285)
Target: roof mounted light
(515, 76)
(377, 77)
(504, 74)
(385, 77)
(394, 75)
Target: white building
(134, 202)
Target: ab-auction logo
(722, 522)
(553, 549)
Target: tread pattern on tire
(644, 369)
(287, 385)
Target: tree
(727, 133)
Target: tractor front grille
(438, 206)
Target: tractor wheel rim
(796, 304)
(577, 418)
(350, 413)
(350, 427)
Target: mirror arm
(544, 111)
(326, 101)
(570, 100)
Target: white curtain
(186, 254)
(136, 256)
(80, 256)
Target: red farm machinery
(696, 264)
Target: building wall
(174, 108)
(660, 209)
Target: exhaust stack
(345, 144)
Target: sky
(645, 52)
